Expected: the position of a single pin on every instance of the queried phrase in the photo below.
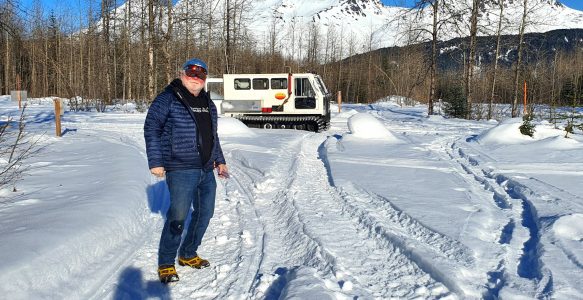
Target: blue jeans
(196, 188)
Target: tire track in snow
(405, 227)
(382, 265)
(492, 267)
(288, 243)
(248, 252)
(509, 235)
(523, 261)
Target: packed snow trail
(268, 235)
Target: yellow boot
(167, 273)
(194, 262)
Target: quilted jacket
(171, 134)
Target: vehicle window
(215, 90)
(242, 83)
(305, 96)
(322, 85)
(304, 88)
(279, 83)
(260, 83)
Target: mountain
(539, 47)
(361, 24)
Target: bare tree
(106, 6)
(496, 53)
(419, 32)
(151, 42)
(471, 57)
(519, 60)
(433, 78)
(15, 147)
(167, 41)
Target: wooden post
(57, 102)
(339, 101)
(524, 110)
(18, 96)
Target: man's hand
(223, 171)
(158, 171)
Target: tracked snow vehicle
(294, 101)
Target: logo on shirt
(200, 110)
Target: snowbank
(365, 126)
(508, 133)
(233, 127)
(558, 143)
(569, 227)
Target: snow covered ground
(386, 204)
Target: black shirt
(200, 107)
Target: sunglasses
(195, 71)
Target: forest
(111, 53)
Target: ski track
(511, 199)
(521, 261)
(486, 198)
(520, 199)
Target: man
(182, 144)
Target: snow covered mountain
(361, 24)
(389, 26)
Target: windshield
(321, 84)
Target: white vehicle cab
(298, 101)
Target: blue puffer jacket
(171, 135)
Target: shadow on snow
(131, 285)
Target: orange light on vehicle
(280, 96)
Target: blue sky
(576, 4)
(73, 6)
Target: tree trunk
(433, 76)
(519, 61)
(228, 37)
(106, 58)
(151, 41)
(471, 57)
(167, 40)
(495, 72)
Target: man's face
(192, 84)
(193, 77)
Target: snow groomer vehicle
(286, 101)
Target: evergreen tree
(455, 104)
(527, 128)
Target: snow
(366, 126)
(233, 127)
(570, 227)
(387, 203)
